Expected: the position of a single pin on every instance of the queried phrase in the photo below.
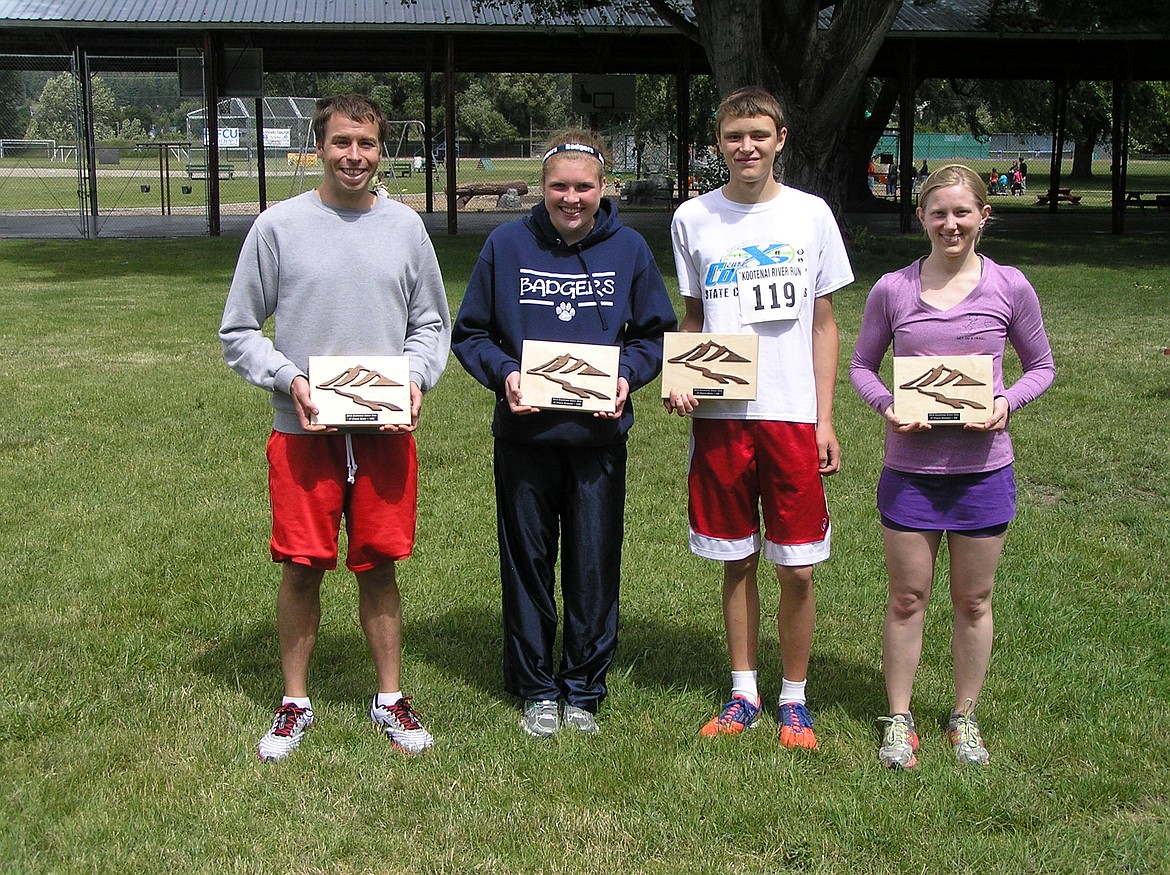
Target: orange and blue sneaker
(899, 742)
(796, 725)
(737, 715)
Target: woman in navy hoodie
(569, 271)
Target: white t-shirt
(790, 251)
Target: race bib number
(771, 293)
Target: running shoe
(288, 726)
(400, 723)
(737, 715)
(540, 718)
(966, 741)
(796, 725)
(580, 719)
(899, 742)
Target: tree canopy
(1081, 16)
(817, 73)
(54, 114)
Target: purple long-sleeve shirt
(1002, 308)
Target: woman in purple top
(953, 480)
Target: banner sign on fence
(277, 138)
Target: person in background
(947, 481)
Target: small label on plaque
(360, 391)
(943, 390)
(719, 366)
(569, 376)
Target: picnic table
(1158, 199)
(1063, 195)
(199, 171)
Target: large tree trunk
(861, 140)
(1083, 145)
(817, 75)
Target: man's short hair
(745, 102)
(355, 107)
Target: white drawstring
(350, 461)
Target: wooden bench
(1161, 200)
(401, 167)
(199, 171)
(1063, 195)
(464, 193)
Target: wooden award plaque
(360, 391)
(943, 390)
(719, 366)
(569, 376)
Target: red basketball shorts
(309, 489)
(740, 467)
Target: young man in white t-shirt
(770, 453)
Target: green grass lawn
(140, 665)
(40, 185)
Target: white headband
(573, 147)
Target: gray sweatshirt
(339, 282)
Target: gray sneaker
(540, 718)
(580, 719)
(965, 738)
(899, 742)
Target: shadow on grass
(465, 643)
(66, 261)
(671, 655)
(248, 660)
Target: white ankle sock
(383, 699)
(299, 701)
(793, 691)
(744, 683)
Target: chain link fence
(107, 146)
(41, 182)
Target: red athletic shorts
(307, 484)
(739, 466)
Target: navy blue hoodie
(528, 284)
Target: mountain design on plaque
(932, 381)
(569, 365)
(356, 377)
(711, 351)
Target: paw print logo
(565, 311)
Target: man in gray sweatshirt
(341, 272)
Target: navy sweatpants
(577, 496)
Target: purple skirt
(948, 502)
